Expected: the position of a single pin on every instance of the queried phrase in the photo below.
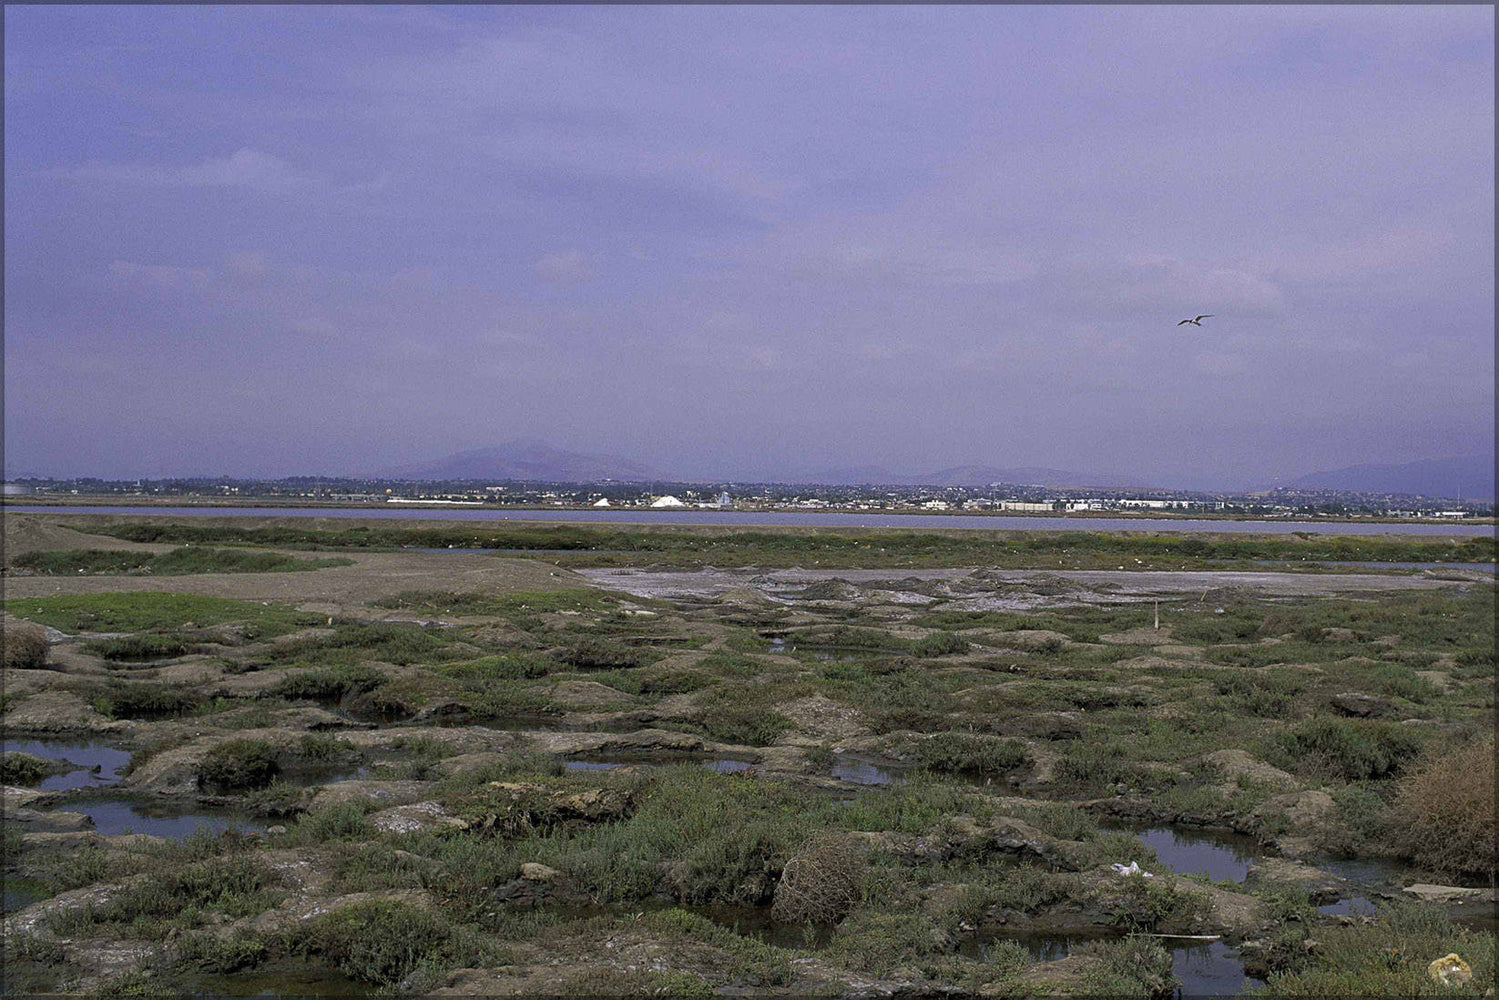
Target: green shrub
(214, 953)
(967, 753)
(23, 769)
(326, 747)
(328, 684)
(384, 941)
(142, 700)
(748, 725)
(600, 654)
(1351, 749)
(940, 644)
(238, 764)
(143, 646)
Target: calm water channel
(746, 518)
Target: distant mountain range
(530, 460)
(1470, 477)
(974, 475)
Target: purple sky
(748, 240)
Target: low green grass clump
(329, 684)
(601, 654)
(351, 644)
(506, 605)
(383, 942)
(1350, 749)
(144, 646)
(966, 753)
(143, 700)
(940, 644)
(238, 765)
(178, 898)
(145, 611)
(24, 769)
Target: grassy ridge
(843, 547)
(178, 562)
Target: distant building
(1025, 505)
(602, 502)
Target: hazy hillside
(1470, 476)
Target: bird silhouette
(1197, 321)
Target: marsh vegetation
(491, 790)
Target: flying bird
(1197, 321)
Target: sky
(749, 241)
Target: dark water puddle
(1209, 969)
(1351, 906)
(85, 757)
(863, 769)
(1221, 855)
(1365, 873)
(756, 922)
(113, 816)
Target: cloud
(245, 168)
(566, 267)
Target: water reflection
(1220, 855)
(112, 816)
(1209, 969)
(95, 764)
(863, 770)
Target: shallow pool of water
(113, 816)
(85, 757)
(756, 922)
(1209, 969)
(1221, 855)
(1350, 906)
(865, 770)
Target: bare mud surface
(1071, 586)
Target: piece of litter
(1133, 868)
(1450, 970)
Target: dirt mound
(30, 533)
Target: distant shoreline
(147, 504)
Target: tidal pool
(1221, 855)
(113, 816)
(96, 765)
